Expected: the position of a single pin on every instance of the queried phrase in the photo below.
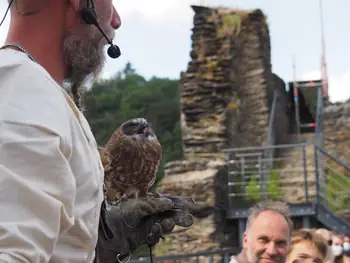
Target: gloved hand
(132, 223)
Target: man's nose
(116, 21)
(271, 249)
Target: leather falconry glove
(132, 223)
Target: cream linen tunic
(51, 175)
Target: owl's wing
(114, 146)
(113, 141)
(152, 151)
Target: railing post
(306, 186)
(317, 176)
(261, 179)
(296, 105)
(323, 179)
(306, 222)
(229, 178)
(319, 117)
(242, 176)
(226, 257)
(241, 229)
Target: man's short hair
(312, 237)
(275, 206)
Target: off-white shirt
(51, 175)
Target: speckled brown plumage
(135, 154)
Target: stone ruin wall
(226, 95)
(337, 138)
(337, 130)
(281, 125)
(230, 63)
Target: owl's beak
(145, 131)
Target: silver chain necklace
(22, 49)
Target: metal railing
(334, 192)
(303, 173)
(222, 256)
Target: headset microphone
(89, 16)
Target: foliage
(231, 25)
(274, 192)
(337, 189)
(128, 95)
(253, 189)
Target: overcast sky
(155, 37)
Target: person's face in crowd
(268, 239)
(346, 246)
(305, 252)
(337, 246)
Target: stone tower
(226, 95)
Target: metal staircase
(315, 183)
(313, 192)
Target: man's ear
(75, 4)
(245, 240)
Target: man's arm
(37, 192)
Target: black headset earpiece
(89, 15)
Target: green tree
(129, 70)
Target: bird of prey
(134, 154)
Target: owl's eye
(130, 128)
(140, 129)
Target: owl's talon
(119, 200)
(150, 195)
(153, 195)
(156, 195)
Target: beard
(83, 56)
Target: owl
(134, 154)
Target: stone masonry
(224, 92)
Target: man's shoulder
(28, 94)
(19, 72)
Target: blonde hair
(324, 232)
(312, 237)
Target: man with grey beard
(267, 235)
(53, 206)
